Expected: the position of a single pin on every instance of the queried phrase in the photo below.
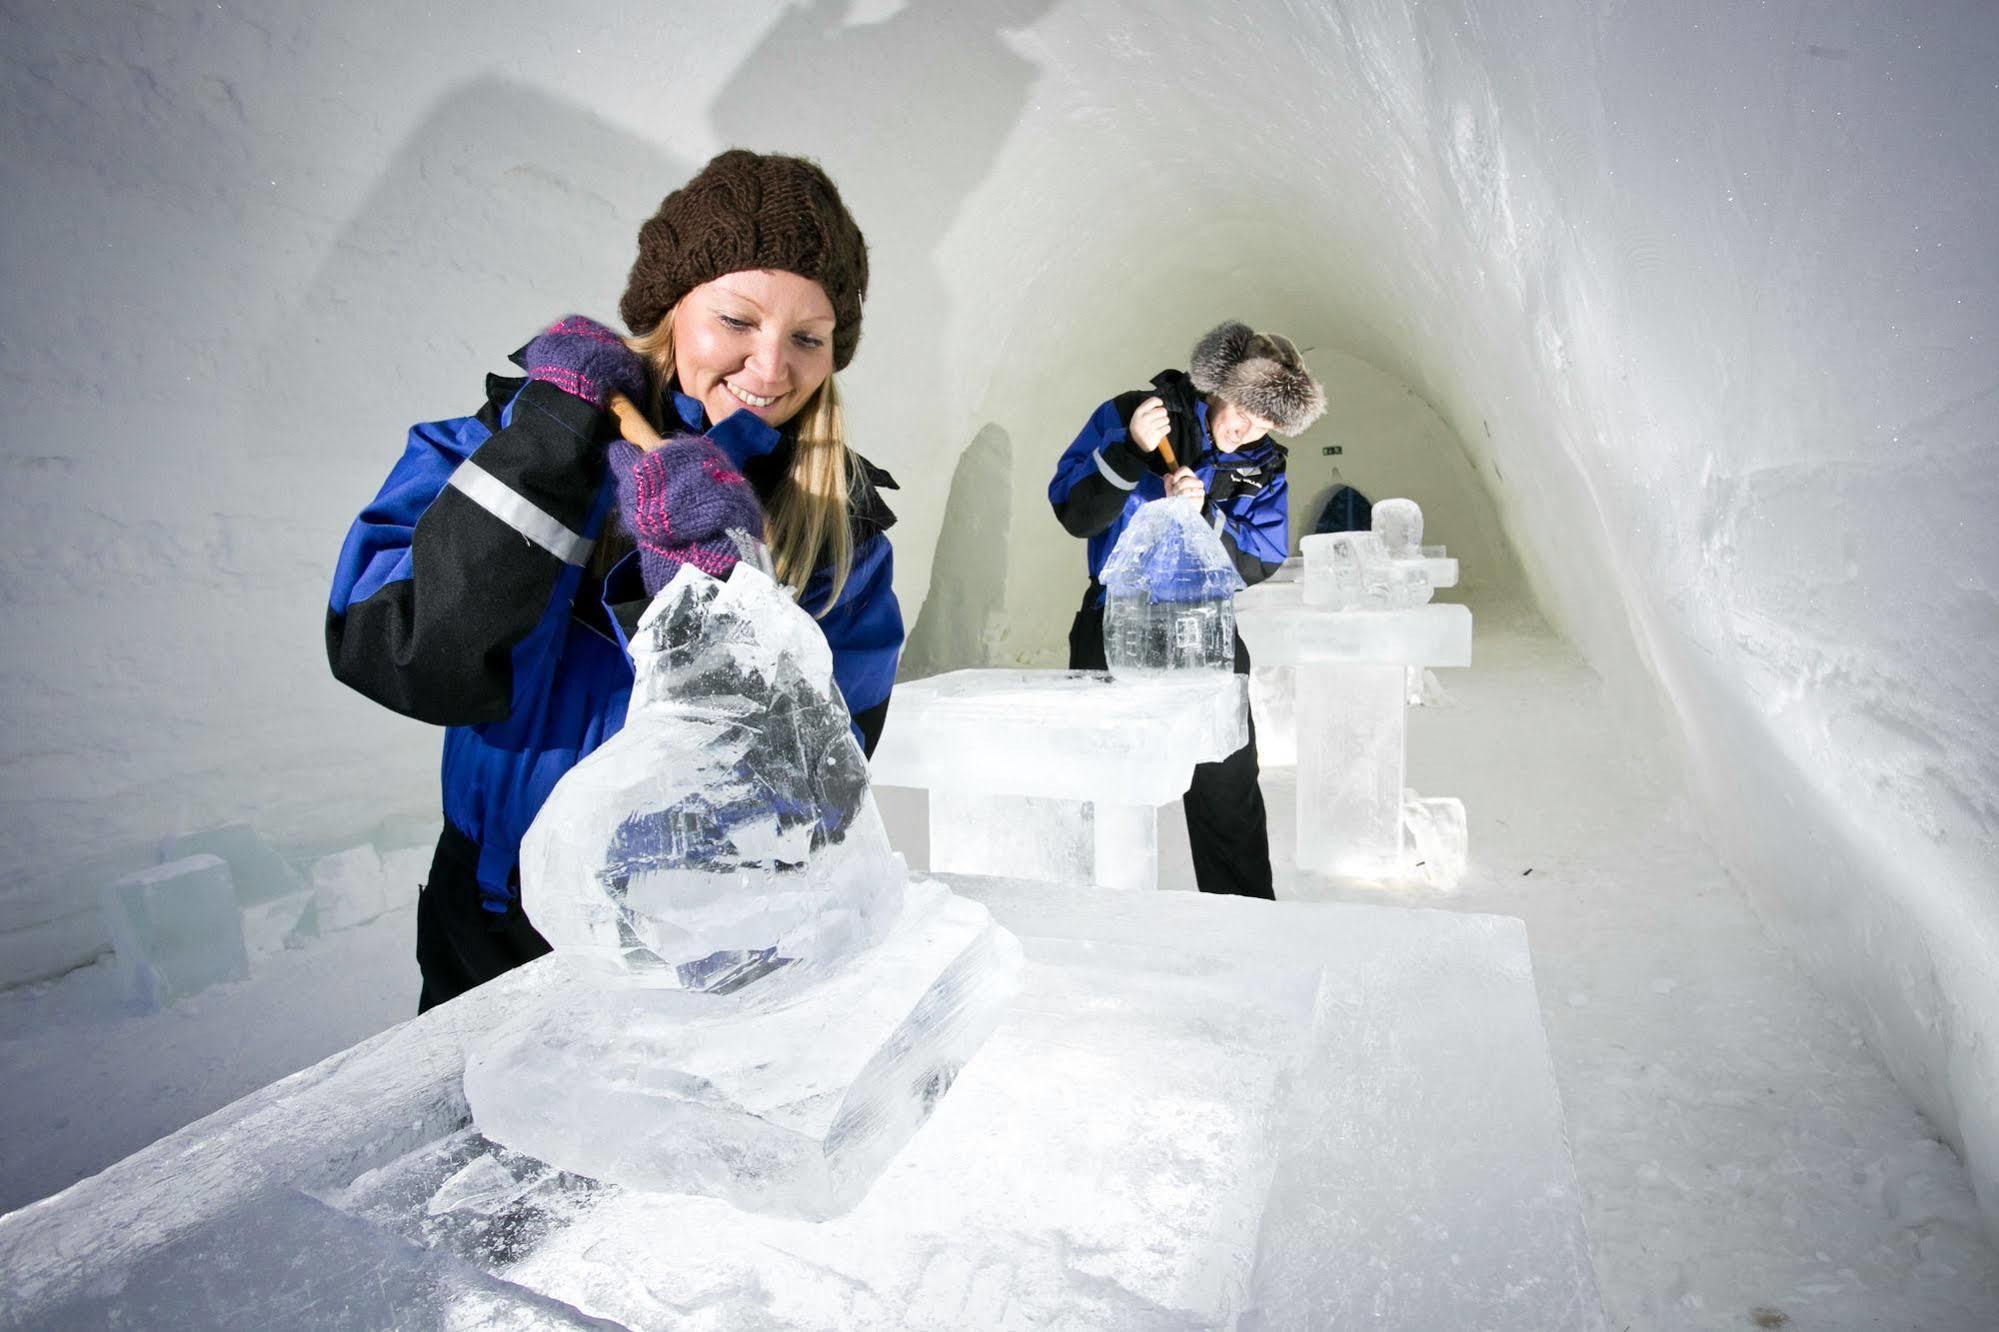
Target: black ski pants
(460, 944)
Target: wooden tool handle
(1166, 453)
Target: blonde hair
(808, 513)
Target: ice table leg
(1052, 841)
(1273, 694)
(1351, 755)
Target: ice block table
(1055, 775)
(1198, 1112)
(1348, 693)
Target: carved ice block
(1056, 775)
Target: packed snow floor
(1746, 1162)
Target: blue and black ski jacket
(1102, 478)
(463, 597)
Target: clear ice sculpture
(1399, 524)
(1170, 594)
(1353, 571)
(727, 830)
(752, 1001)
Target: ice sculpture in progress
(753, 1001)
(1170, 594)
(1354, 571)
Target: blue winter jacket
(1102, 478)
(463, 598)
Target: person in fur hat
(1240, 387)
(490, 585)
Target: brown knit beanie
(746, 211)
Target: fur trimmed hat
(746, 211)
(1261, 373)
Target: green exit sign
(1331, 450)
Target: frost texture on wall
(1705, 293)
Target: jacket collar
(867, 513)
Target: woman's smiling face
(758, 339)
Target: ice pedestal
(1349, 672)
(1438, 840)
(1056, 775)
(1197, 1112)
(1031, 837)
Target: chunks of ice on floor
(1169, 593)
(348, 889)
(786, 1096)
(727, 828)
(258, 872)
(1399, 524)
(1438, 839)
(1426, 690)
(177, 929)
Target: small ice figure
(727, 830)
(1170, 600)
(1399, 524)
(1352, 571)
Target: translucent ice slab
(785, 1096)
(1071, 735)
(176, 929)
(1281, 630)
(1056, 775)
(1197, 1112)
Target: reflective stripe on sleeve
(1110, 475)
(523, 515)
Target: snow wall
(1693, 306)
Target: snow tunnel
(1679, 321)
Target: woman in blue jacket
(487, 586)
(1218, 415)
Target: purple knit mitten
(680, 503)
(586, 360)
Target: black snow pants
(460, 944)
(1228, 833)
